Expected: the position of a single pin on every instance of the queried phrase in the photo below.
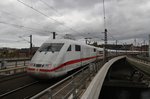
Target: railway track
(13, 76)
(27, 90)
(24, 87)
(17, 89)
(11, 84)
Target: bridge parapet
(93, 90)
(141, 64)
(14, 70)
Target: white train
(57, 57)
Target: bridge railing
(93, 90)
(8, 63)
(10, 71)
(72, 85)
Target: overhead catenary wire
(80, 33)
(53, 8)
(21, 26)
(50, 7)
(111, 36)
(24, 39)
(104, 17)
(28, 28)
(58, 13)
(104, 14)
(40, 12)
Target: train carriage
(57, 57)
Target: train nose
(35, 73)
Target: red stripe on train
(31, 69)
(68, 63)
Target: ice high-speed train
(57, 57)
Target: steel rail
(13, 76)
(57, 84)
(17, 89)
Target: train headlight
(46, 65)
(31, 64)
(49, 65)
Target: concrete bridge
(120, 72)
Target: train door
(78, 53)
(69, 56)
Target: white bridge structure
(94, 89)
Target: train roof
(70, 42)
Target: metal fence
(71, 86)
(12, 70)
(8, 63)
(12, 66)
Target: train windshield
(51, 47)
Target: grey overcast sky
(125, 20)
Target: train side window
(94, 50)
(77, 48)
(69, 48)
